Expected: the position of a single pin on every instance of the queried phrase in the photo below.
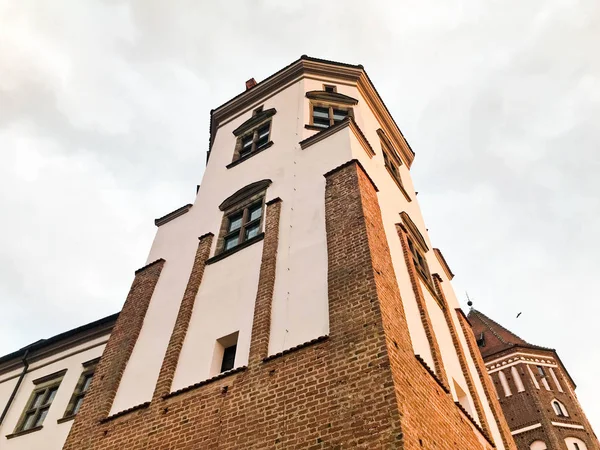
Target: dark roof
(497, 338)
(43, 343)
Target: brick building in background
(535, 390)
(297, 304)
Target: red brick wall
(361, 387)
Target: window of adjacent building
(538, 445)
(39, 404)
(329, 88)
(242, 225)
(574, 443)
(324, 116)
(541, 372)
(83, 385)
(559, 409)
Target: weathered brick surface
(98, 400)
(488, 387)
(169, 364)
(436, 354)
(360, 388)
(533, 406)
(437, 281)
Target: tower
(298, 302)
(536, 392)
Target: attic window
(481, 340)
(257, 110)
(329, 88)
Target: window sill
(66, 418)
(243, 245)
(21, 433)
(248, 156)
(316, 128)
(400, 186)
(430, 288)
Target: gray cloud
(104, 117)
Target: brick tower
(298, 303)
(536, 392)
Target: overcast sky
(104, 111)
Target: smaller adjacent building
(42, 386)
(535, 390)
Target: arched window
(559, 409)
(538, 445)
(575, 444)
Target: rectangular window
(228, 362)
(541, 371)
(255, 140)
(38, 405)
(419, 260)
(243, 225)
(83, 385)
(326, 116)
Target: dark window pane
(42, 415)
(321, 112)
(77, 405)
(235, 222)
(231, 241)
(339, 115)
(28, 422)
(541, 371)
(247, 141)
(252, 230)
(329, 88)
(228, 358)
(255, 212)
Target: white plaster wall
(53, 435)
(223, 306)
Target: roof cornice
(328, 69)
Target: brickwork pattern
(436, 353)
(119, 347)
(486, 381)
(533, 406)
(437, 281)
(361, 388)
(169, 364)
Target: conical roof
(492, 336)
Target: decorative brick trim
(149, 265)
(205, 235)
(437, 280)
(172, 215)
(474, 422)
(125, 412)
(443, 263)
(261, 324)
(486, 382)
(432, 373)
(205, 382)
(436, 353)
(296, 348)
(169, 364)
(110, 369)
(350, 163)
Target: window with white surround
(574, 443)
(559, 409)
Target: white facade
(68, 355)
(225, 301)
